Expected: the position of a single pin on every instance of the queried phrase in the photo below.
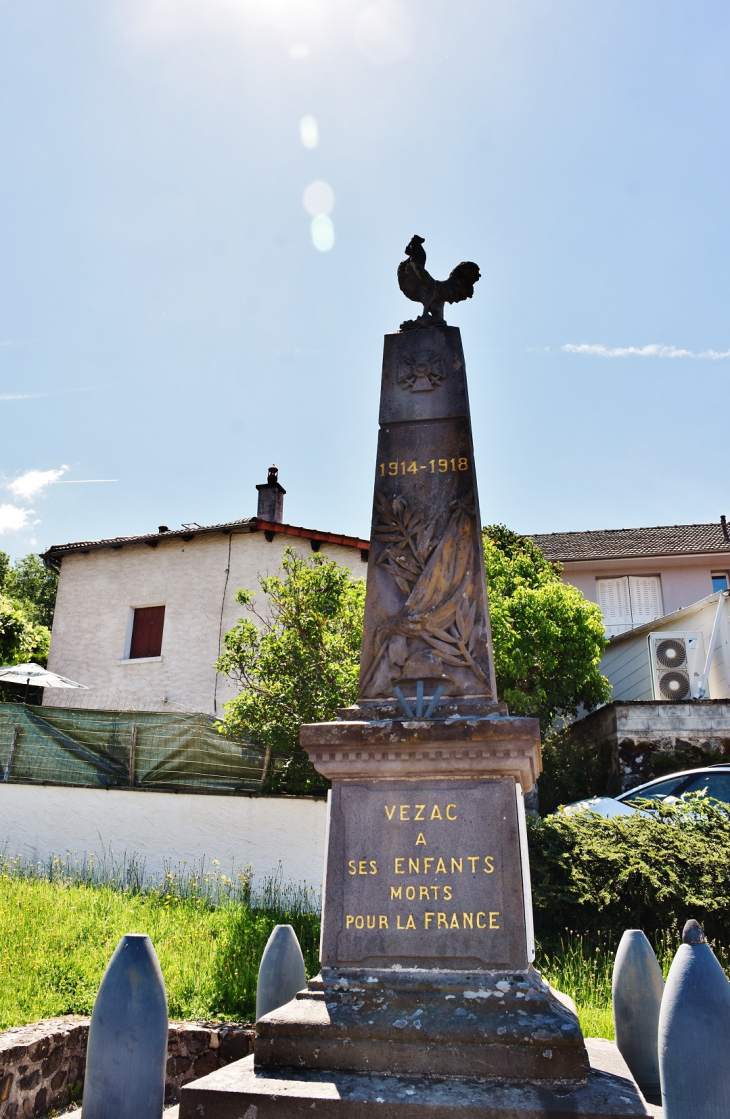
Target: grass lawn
(56, 938)
(60, 925)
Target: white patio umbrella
(33, 674)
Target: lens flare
(309, 132)
(323, 233)
(319, 198)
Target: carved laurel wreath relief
(436, 570)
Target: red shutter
(147, 632)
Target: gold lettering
(389, 813)
(435, 892)
(454, 922)
(435, 814)
(421, 839)
(419, 814)
(442, 922)
(441, 867)
(489, 868)
(410, 892)
(426, 863)
(410, 923)
(473, 859)
(447, 893)
(492, 923)
(396, 892)
(348, 920)
(457, 864)
(413, 866)
(373, 867)
(397, 922)
(359, 923)
(403, 814)
(398, 867)
(468, 919)
(423, 893)
(427, 917)
(382, 922)
(448, 817)
(363, 867)
(353, 868)
(481, 924)
(371, 926)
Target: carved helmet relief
(422, 372)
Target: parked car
(712, 780)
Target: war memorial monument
(428, 1003)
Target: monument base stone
(240, 1091)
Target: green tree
(31, 583)
(548, 639)
(21, 637)
(296, 660)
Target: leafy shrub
(648, 871)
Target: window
(658, 791)
(719, 581)
(629, 601)
(147, 632)
(715, 785)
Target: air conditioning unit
(677, 662)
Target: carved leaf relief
(439, 626)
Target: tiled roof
(248, 524)
(626, 543)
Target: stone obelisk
(427, 996)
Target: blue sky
(167, 321)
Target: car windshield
(658, 791)
(715, 785)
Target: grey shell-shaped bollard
(637, 989)
(694, 1033)
(127, 1052)
(281, 973)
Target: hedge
(651, 870)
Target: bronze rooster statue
(415, 282)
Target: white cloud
(654, 349)
(33, 482)
(13, 518)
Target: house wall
(167, 829)
(627, 664)
(684, 580)
(96, 592)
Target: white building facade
(141, 620)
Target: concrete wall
(40, 821)
(96, 594)
(684, 579)
(646, 740)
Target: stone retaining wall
(42, 1065)
(645, 739)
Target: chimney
(271, 498)
(725, 533)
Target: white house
(141, 619)
(639, 574)
(684, 655)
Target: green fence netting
(163, 751)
